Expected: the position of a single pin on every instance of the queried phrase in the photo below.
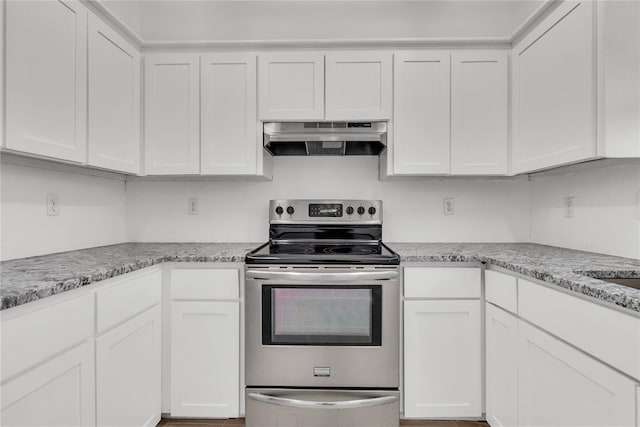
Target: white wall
(92, 208)
(320, 20)
(486, 210)
(607, 209)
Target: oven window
(321, 315)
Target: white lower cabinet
(205, 358)
(442, 359)
(561, 386)
(501, 346)
(128, 372)
(59, 392)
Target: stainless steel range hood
(325, 138)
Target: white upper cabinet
(114, 100)
(479, 112)
(554, 90)
(619, 68)
(228, 116)
(359, 85)
(46, 71)
(291, 86)
(172, 114)
(421, 130)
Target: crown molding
(98, 8)
(532, 20)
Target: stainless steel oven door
(322, 326)
(321, 408)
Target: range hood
(325, 138)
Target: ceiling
(276, 20)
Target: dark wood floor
(239, 422)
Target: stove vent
(325, 138)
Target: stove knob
(349, 210)
(361, 210)
(279, 210)
(372, 210)
(290, 210)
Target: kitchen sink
(632, 283)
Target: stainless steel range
(322, 318)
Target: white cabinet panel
(560, 386)
(442, 359)
(60, 392)
(114, 100)
(35, 336)
(205, 359)
(442, 282)
(203, 284)
(421, 135)
(291, 86)
(501, 367)
(128, 372)
(359, 86)
(130, 295)
(554, 111)
(172, 114)
(501, 290)
(228, 116)
(479, 113)
(584, 324)
(46, 78)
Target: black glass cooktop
(323, 253)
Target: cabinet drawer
(127, 298)
(445, 282)
(196, 284)
(608, 335)
(502, 290)
(35, 336)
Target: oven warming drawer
(271, 407)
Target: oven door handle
(313, 277)
(310, 404)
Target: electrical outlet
(53, 205)
(193, 207)
(448, 206)
(568, 207)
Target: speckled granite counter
(566, 268)
(28, 279)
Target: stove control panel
(297, 211)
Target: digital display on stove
(325, 210)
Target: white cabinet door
(479, 113)
(501, 367)
(46, 78)
(228, 116)
(554, 112)
(291, 86)
(442, 360)
(172, 114)
(60, 392)
(114, 100)
(359, 86)
(205, 359)
(561, 386)
(421, 131)
(128, 372)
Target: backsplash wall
(485, 209)
(92, 208)
(606, 209)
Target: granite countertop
(29, 279)
(566, 268)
